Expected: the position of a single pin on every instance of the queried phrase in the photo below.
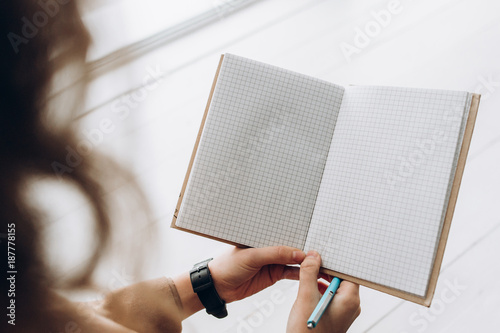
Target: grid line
(379, 209)
(261, 156)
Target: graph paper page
(386, 184)
(261, 156)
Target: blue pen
(323, 303)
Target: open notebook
(367, 176)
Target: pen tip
(310, 325)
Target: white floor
(448, 44)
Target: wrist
(204, 286)
(189, 299)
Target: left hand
(240, 273)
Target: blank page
(386, 184)
(261, 156)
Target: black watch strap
(203, 285)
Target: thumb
(309, 269)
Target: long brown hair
(40, 38)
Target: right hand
(339, 315)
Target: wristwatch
(203, 286)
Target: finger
(347, 302)
(284, 255)
(309, 269)
(356, 314)
(349, 288)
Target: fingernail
(313, 254)
(298, 256)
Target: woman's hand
(243, 272)
(339, 315)
(240, 273)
